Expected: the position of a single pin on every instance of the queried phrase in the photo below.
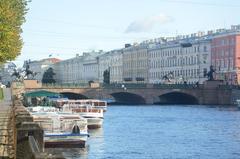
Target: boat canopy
(41, 93)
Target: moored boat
(238, 103)
(93, 115)
(95, 103)
(62, 129)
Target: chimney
(127, 45)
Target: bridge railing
(157, 86)
(229, 86)
(68, 85)
(177, 86)
(126, 86)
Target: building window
(205, 48)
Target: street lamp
(124, 88)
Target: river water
(168, 132)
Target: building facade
(90, 69)
(174, 60)
(80, 69)
(180, 61)
(135, 64)
(6, 71)
(39, 67)
(112, 61)
(226, 57)
(69, 71)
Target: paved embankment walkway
(6, 126)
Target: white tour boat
(95, 103)
(93, 115)
(62, 129)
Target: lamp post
(124, 87)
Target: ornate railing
(138, 86)
(79, 85)
(126, 85)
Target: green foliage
(1, 94)
(48, 76)
(12, 14)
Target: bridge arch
(177, 98)
(128, 98)
(72, 95)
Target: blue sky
(65, 28)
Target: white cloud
(148, 23)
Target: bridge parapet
(209, 93)
(126, 85)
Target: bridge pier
(149, 100)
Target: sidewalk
(6, 126)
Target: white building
(112, 61)
(69, 71)
(179, 61)
(6, 71)
(135, 64)
(80, 69)
(90, 69)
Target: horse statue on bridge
(18, 75)
(29, 72)
(24, 74)
(210, 74)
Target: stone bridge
(210, 94)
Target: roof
(41, 93)
(54, 60)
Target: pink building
(225, 57)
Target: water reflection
(69, 153)
(95, 142)
(96, 133)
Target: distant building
(226, 56)
(135, 64)
(69, 71)
(41, 66)
(185, 61)
(180, 59)
(90, 68)
(80, 69)
(113, 62)
(6, 71)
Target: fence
(67, 85)
(136, 86)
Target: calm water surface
(158, 132)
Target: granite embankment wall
(28, 135)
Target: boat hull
(65, 144)
(104, 108)
(94, 123)
(65, 141)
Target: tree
(106, 76)
(12, 13)
(48, 76)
